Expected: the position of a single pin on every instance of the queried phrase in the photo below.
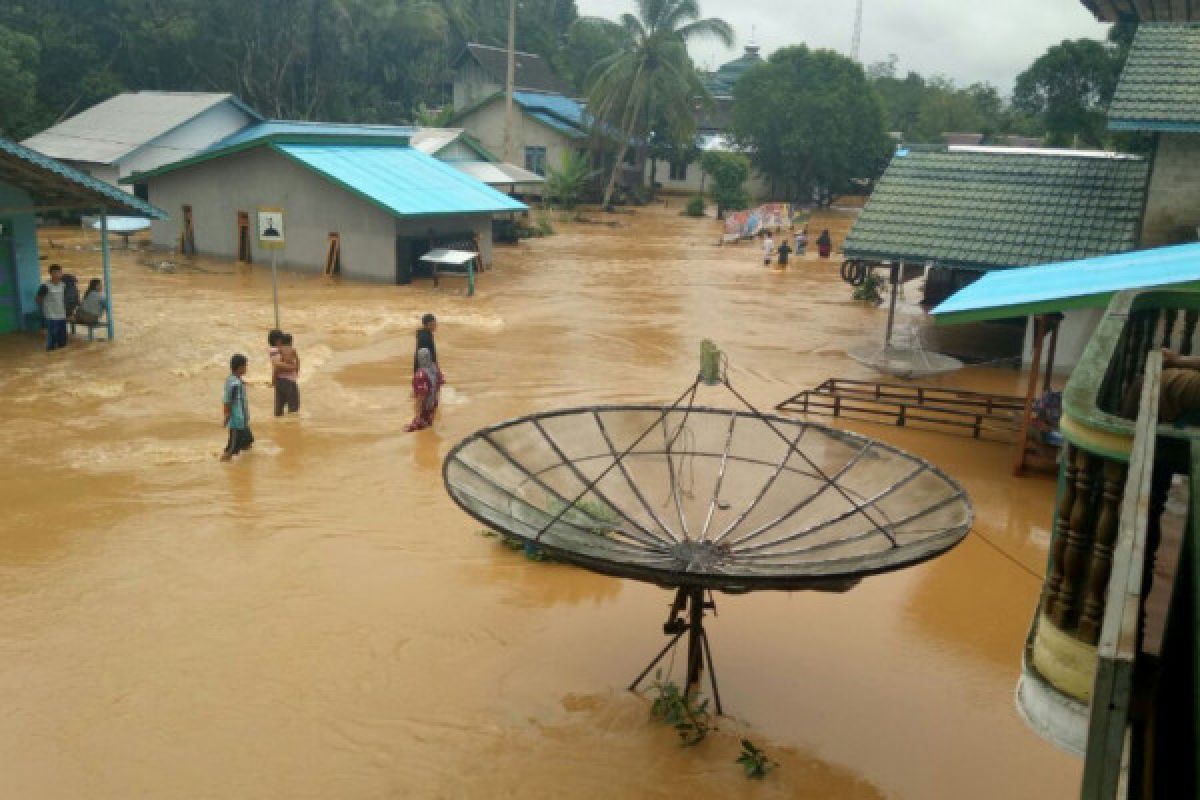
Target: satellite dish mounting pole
(895, 281)
(510, 80)
(687, 616)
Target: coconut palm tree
(652, 76)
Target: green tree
(810, 122)
(566, 184)
(652, 76)
(729, 172)
(18, 83)
(1069, 88)
(590, 41)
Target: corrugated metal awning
(1088, 283)
(51, 184)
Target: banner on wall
(768, 216)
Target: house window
(141, 191)
(679, 170)
(535, 160)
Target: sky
(965, 40)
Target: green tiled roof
(1144, 10)
(991, 208)
(1159, 88)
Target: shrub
(695, 206)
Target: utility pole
(856, 44)
(510, 80)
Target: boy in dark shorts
(285, 368)
(237, 409)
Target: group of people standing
(285, 375)
(770, 251)
(427, 383)
(59, 301)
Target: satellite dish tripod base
(687, 616)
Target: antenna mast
(510, 155)
(856, 44)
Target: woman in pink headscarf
(427, 384)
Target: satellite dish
(703, 499)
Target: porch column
(104, 254)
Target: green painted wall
(20, 273)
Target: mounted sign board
(270, 228)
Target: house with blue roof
(388, 202)
(546, 126)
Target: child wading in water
(285, 370)
(237, 409)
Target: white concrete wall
(1074, 332)
(472, 84)
(487, 125)
(695, 181)
(217, 190)
(215, 124)
(1173, 202)
(457, 151)
(101, 172)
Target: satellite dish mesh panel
(707, 498)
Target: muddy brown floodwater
(318, 620)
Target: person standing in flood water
(768, 246)
(52, 299)
(427, 385)
(237, 409)
(425, 339)
(285, 371)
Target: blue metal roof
(401, 180)
(565, 108)
(283, 127)
(558, 125)
(52, 183)
(1087, 283)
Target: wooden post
(104, 255)
(510, 83)
(1054, 326)
(1035, 367)
(895, 278)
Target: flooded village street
(319, 620)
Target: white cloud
(965, 40)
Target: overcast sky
(966, 40)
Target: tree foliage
(566, 184)
(18, 82)
(652, 76)
(810, 122)
(347, 60)
(1069, 89)
(923, 109)
(729, 172)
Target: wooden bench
(101, 323)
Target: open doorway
(244, 251)
(10, 303)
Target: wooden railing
(1086, 643)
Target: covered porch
(32, 184)
(1064, 303)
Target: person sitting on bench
(93, 304)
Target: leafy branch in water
(594, 511)
(684, 711)
(871, 290)
(754, 761)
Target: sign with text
(270, 228)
